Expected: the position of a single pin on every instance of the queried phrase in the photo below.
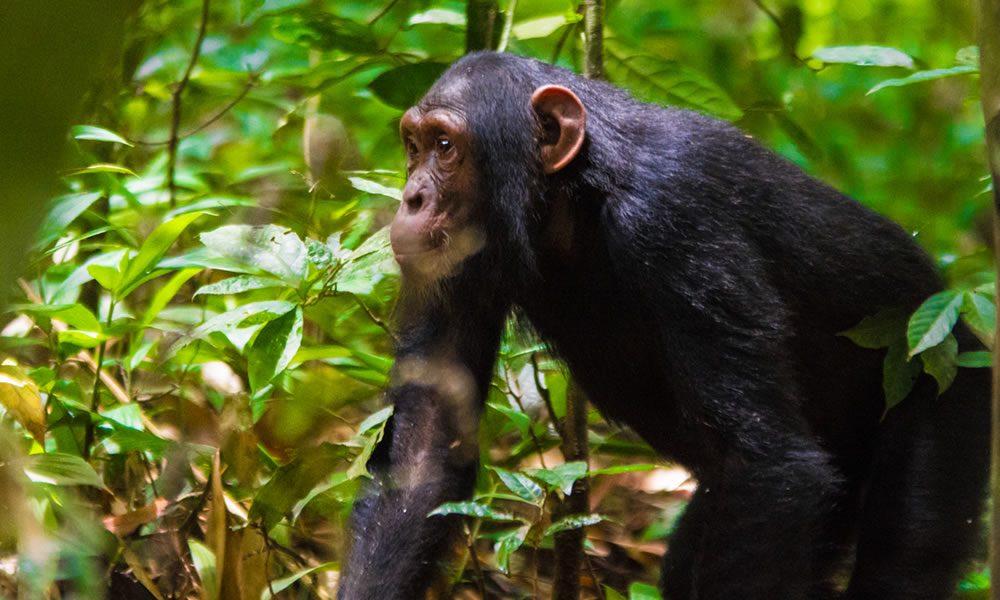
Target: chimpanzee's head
(478, 147)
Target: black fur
(697, 297)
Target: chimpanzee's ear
(564, 121)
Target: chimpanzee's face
(435, 228)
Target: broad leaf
(543, 26)
(60, 469)
(933, 321)
(89, 132)
(270, 248)
(655, 79)
(941, 362)
(522, 485)
(975, 360)
(239, 284)
(403, 86)
(562, 476)
(643, 591)
(294, 481)
(21, 399)
(322, 30)
(274, 348)
(153, 249)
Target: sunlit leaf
(980, 313)
(90, 132)
(205, 564)
(522, 485)
(472, 509)
(440, 16)
(20, 397)
(921, 76)
(561, 476)
(60, 469)
(280, 585)
(933, 321)
(374, 187)
(152, 250)
(866, 56)
(572, 522)
(507, 544)
(643, 591)
(239, 284)
(543, 26)
(102, 168)
(61, 212)
(270, 248)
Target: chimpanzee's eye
(444, 144)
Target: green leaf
(968, 56)
(367, 265)
(439, 16)
(274, 348)
(941, 362)
(980, 313)
(865, 56)
(359, 466)
(572, 522)
(543, 26)
(623, 469)
(975, 360)
(472, 509)
(60, 213)
(921, 76)
(376, 188)
(322, 30)
(102, 168)
(933, 321)
(899, 373)
(233, 324)
(319, 255)
(77, 316)
(655, 79)
(205, 564)
(878, 330)
(280, 585)
(522, 485)
(611, 594)
(294, 481)
(643, 591)
(239, 284)
(89, 132)
(270, 248)
(375, 419)
(60, 469)
(247, 7)
(403, 86)
(107, 277)
(82, 339)
(152, 250)
(167, 293)
(507, 544)
(562, 476)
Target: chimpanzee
(695, 284)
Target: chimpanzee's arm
(429, 456)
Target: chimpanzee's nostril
(414, 201)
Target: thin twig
(218, 115)
(375, 319)
(384, 12)
(175, 123)
(508, 25)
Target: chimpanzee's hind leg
(923, 506)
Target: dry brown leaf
(125, 524)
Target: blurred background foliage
(217, 245)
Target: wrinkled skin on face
(435, 227)
(440, 220)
